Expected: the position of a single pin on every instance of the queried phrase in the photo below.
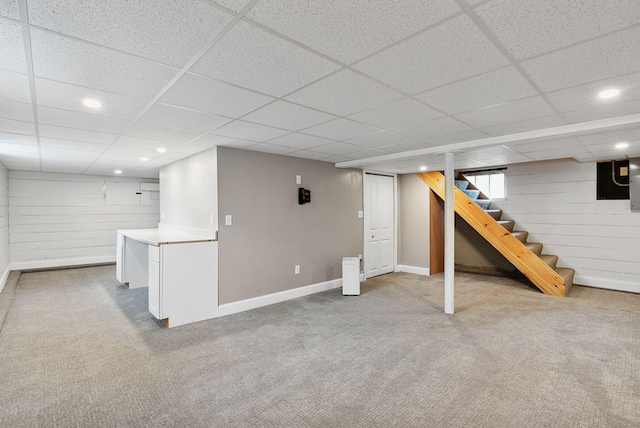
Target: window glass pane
(472, 179)
(482, 183)
(496, 182)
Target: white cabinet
(183, 282)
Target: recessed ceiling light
(622, 145)
(91, 103)
(161, 150)
(609, 93)
(144, 159)
(117, 171)
(423, 168)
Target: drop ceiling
(386, 85)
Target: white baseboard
(610, 284)
(413, 269)
(3, 279)
(270, 299)
(52, 263)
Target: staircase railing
(527, 262)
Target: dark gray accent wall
(413, 212)
(271, 232)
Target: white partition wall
(71, 219)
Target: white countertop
(156, 237)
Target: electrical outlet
(360, 214)
(297, 270)
(228, 220)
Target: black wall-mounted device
(304, 195)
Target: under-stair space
(487, 244)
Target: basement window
(490, 182)
(613, 180)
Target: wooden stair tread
(521, 235)
(507, 224)
(567, 274)
(535, 247)
(496, 214)
(550, 260)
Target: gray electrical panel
(634, 184)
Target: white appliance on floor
(351, 276)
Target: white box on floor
(351, 276)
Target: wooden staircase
(527, 257)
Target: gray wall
(271, 233)
(413, 213)
(188, 192)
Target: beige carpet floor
(77, 349)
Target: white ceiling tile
(529, 28)
(176, 117)
(15, 86)
(166, 31)
(217, 140)
(76, 62)
(494, 87)
(16, 111)
(144, 143)
(17, 127)
(604, 111)
(308, 154)
(253, 58)
(433, 128)
(451, 51)
(344, 93)
(128, 151)
(508, 112)
(544, 144)
(609, 138)
(456, 137)
(86, 121)
(249, 131)
(79, 146)
(272, 148)
(525, 125)
(338, 148)
(300, 141)
(62, 164)
(84, 157)
(12, 48)
(380, 139)
(486, 152)
(407, 147)
(22, 151)
(7, 137)
(585, 97)
(234, 5)
(286, 115)
(595, 60)
(360, 152)
(69, 97)
(208, 95)
(162, 133)
(336, 159)
(397, 113)
(349, 30)
(9, 9)
(17, 164)
(340, 129)
(59, 132)
(558, 153)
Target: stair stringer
(531, 266)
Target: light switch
(228, 220)
(360, 214)
(211, 219)
(296, 270)
(298, 179)
(624, 171)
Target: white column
(449, 233)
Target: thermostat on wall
(304, 195)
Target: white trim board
(413, 269)
(609, 284)
(5, 276)
(52, 263)
(282, 296)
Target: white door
(378, 224)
